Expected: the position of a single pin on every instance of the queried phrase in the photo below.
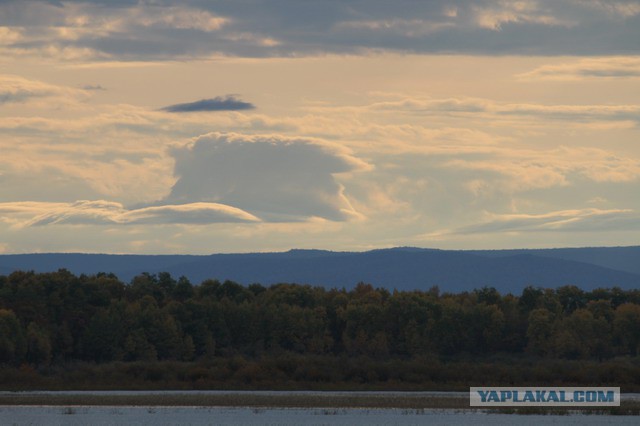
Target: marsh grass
(290, 371)
(329, 401)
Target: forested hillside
(58, 319)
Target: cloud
(274, 177)
(86, 30)
(28, 207)
(93, 87)
(194, 213)
(565, 220)
(175, 17)
(79, 213)
(15, 89)
(218, 178)
(469, 106)
(609, 68)
(102, 212)
(495, 15)
(410, 28)
(99, 30)
(523, 170)
(622, 9)
(227, 103)
(9, 35)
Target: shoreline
(458, 401)
(235, 399)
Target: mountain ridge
(402, 268)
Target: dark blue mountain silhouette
(404, 268)
(620, 258)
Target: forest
(62, 331)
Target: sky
(201, 127)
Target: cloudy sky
(263, 125)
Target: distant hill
(619, 258)
(400, 268)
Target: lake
(161, 416)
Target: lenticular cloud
(102, 212)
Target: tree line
(58, 317)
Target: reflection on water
(160, 416)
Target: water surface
(161, 416)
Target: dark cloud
(259, 28)
(93, 87)
(227, 103)
(6, 98)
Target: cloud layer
(460, 106)
(133, 30)
(358, 119)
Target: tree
(105, 334)
(183, 290)
(530, 299)
(451, 331)
(626, 328)
(159, 328)
(490, 326)
(581, 335)
(38, 345)
(138, 348)
(488, 295)
(12, 340)
(539, 331)
(146, 285)
(571, 298)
